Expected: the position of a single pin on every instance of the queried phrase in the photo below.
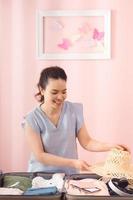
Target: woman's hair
(53, 72)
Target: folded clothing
(57, 180)
(20, 182)
(86, 187)
(10, 191)
(41, 191)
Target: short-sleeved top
(58, 140)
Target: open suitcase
(27, 176)
(64, 195)
(91, 196)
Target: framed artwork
(63, 34)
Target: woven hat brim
(112, 173)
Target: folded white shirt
(56, 180)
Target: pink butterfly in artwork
(98, 35)
(66, 43)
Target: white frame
(70, 56)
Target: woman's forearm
(50, 159)
(96, 146)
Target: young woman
(53, 126)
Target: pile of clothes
(20, 185)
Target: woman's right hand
(81, 165)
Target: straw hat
(117, 165)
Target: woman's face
(55, 93)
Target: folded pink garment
(86, 187)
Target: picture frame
(73, 34)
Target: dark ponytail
(53, 72)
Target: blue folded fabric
(41, 191)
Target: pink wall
(103, 86)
